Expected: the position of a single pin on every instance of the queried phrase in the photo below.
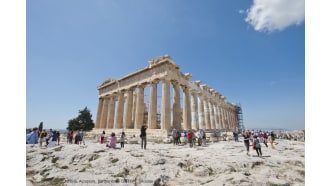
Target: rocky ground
(219, 163)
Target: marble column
(104, 113)
(217, 119)
(226, 118)
(120, 110)
(194, 113)
(201, 119)
(230, 119)
(99, 114)
(212, 118)
(111, 113)
(152, 113)
(207, 114)
(176, 106)
(223, 124)
(139, 113)
(128, 112)
(220, 117)
(166, 110)
(186, 109)
(134, 108)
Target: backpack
(257, 143)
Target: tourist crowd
(192, 137)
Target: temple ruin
(122, 104)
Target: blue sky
(252, 52)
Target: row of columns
(198, 111)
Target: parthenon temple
(123, 106)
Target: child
(102, 137)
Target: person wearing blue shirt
(33, 136)
(81, 133)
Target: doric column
(139, 113)
(194, 113)
(152, 113)
(201, 119)
(166, 110)
(186, 109)
(120, 110)
(226, 118)
(236, 119)
(212, 119)
(217, 119)
(176, 106)
(230, 119)
(111, 113)
(128, 112)
(222, 114)
(99, 114)
(207, 114)
(134, 108)
(104, 116)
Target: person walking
(71, 137)
(235, 135)
(143, 136)
(265, 137)
(174, 135)
(256, 145)
(190, 138)
(42, 136)
(58, 137)
(68, 137)
(185, 136)
(179, 136)
(246, 140)
(77, 139)
(82, 134)
(49, 137)
(122, 139)
(102, 137)
(272, 139)
(33, 136)
(200, 137)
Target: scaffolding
(240, 124)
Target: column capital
(174, 82)
(187, 76)
(165, 78)
(142, 85)
(184, 88)
(155, 81)
(198, 82)
(131, 88)
(205, 87)
(193, 92)
(206, 98)
(111, 96)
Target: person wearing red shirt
(190, 138)
(265, 138)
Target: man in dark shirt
(143, 136)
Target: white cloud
(271, 15)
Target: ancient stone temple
(188, 105)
